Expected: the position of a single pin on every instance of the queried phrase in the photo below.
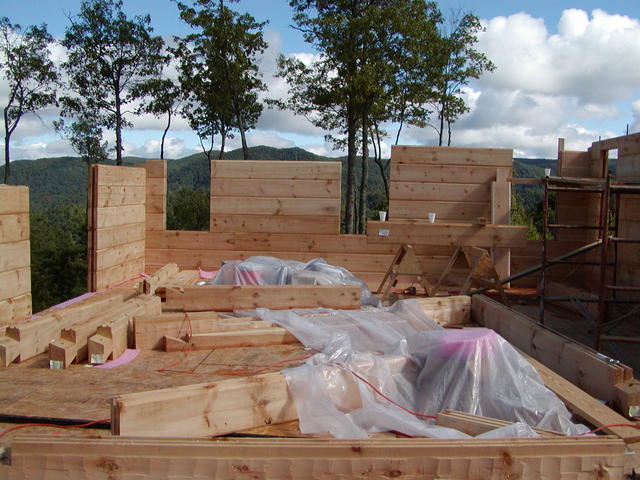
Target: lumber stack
(274, 196)
(15, 256)
(116, 223)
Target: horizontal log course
(224, 298)
(274, 188)
(231, 339)
(302, 459)
(260, 169)
(442, 233)
(429, 155)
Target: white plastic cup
(547, 172)
(432, 217)
(383, 215)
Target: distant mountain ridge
(55, 182)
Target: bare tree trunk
(449, 131)
(118, 126)
(164, 135)
(7, 172)
(350, 203)
(365, 174)
(243, 138)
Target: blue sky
(565, 68)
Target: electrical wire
(53, 425)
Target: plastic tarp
(262, 270)
(416, 364)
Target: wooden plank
(274, 206)
(115, 216)
(150, 330)
(442, 174)
(475, 425)
(628, 168)
(428, 155)
(119, 235)
(224, 298)
(271, 170)
(14, 227)
(120, 195)
(120, 254)
(416, 209)
(275, 224)
(15, 255)
(14, 310)
(450, 192)
(626, 143)
(286, 188)
(584, 405)
(213, 408)
(14, 199)
(156, 204)
(303, 459)
(232, 339)
(118, 175)
(576, 363)
(453, 234)
(14, 283)
(117, 274)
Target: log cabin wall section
(116, 225)
(291, 210)
(15, 255)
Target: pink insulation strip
(128, 356)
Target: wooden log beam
(110, 341)
(302, 459)
(160, 276)
(232, 339)
(584, 405)
(476, 424)
(582, 366)
(454, 310)
(149, 330)
(421, 232)
(225, 298)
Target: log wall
(15, 255)
(116, 225)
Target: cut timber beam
(149, 330)
(455, 310)
(205, 409)
(110, 341)
(240, 338)
(476, 424)
(72, 344)
(228, 405)
(587, 369)
(584, 405)
(224, 298)
(303, 459)
(421, 232)
(159, 277)
(30, 338)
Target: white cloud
(635, 107)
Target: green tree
(85, 137)
(458, 62)
(188, 209)
(30, 74)
(219, 69)
(108, 55)
(163, 97)
(58, 251)
(363, 47)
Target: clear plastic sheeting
(275, 271)
(420, 367)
